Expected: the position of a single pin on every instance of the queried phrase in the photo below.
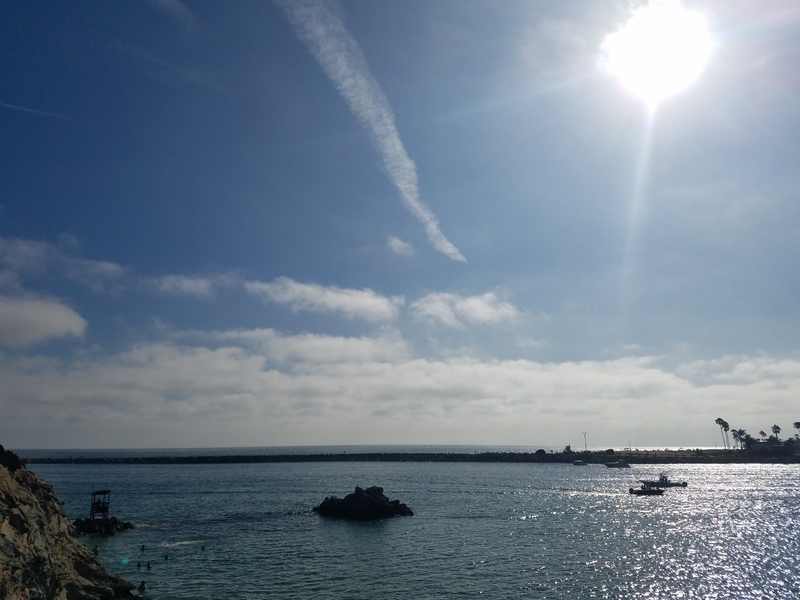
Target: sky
(428, 222)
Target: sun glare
(659, 52)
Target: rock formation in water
(40, 557)
(363, 505)
(108, 526)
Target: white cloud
(319, 24)
(363, 304)
(234, 395)
(25, 321)
(399, 247)
(202, 287)
(95, 274)
(30, 258)
(453, 310)
(310, 348)
(24, 256)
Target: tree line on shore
(744, 441)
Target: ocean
(491, 530)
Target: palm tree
(776, 430)
(763, 434)
(796, 425)
(743, 435)
(722, 424)
(738, 437)
(726, 428)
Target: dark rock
(363, 505)
(9, 460)
(108, 526)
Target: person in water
(142, 586)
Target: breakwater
(698, 456)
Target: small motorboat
(646, 491)
(662, 482)
(619, 464)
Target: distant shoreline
(591, 457)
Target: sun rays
(658, 53)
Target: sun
(659, 52)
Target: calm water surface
(491, 530)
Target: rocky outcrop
(108, 526)
(363, 505)
(40, 557)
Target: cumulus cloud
(26, 321)
(319, 24)
(363, 304)
(453, 310)
(398, 246)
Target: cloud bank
(259, 387)
(319, 24)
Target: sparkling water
(247, 531)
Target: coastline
(40, 557)
(697, 456)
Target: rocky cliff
(40, 557)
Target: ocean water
(247, 531)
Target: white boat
(619, 464)
(662, 482)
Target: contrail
(319, 24)
(44, 113)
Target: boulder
(40, 557)
(363, 505)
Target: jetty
(692, 456)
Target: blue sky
(293, 223)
